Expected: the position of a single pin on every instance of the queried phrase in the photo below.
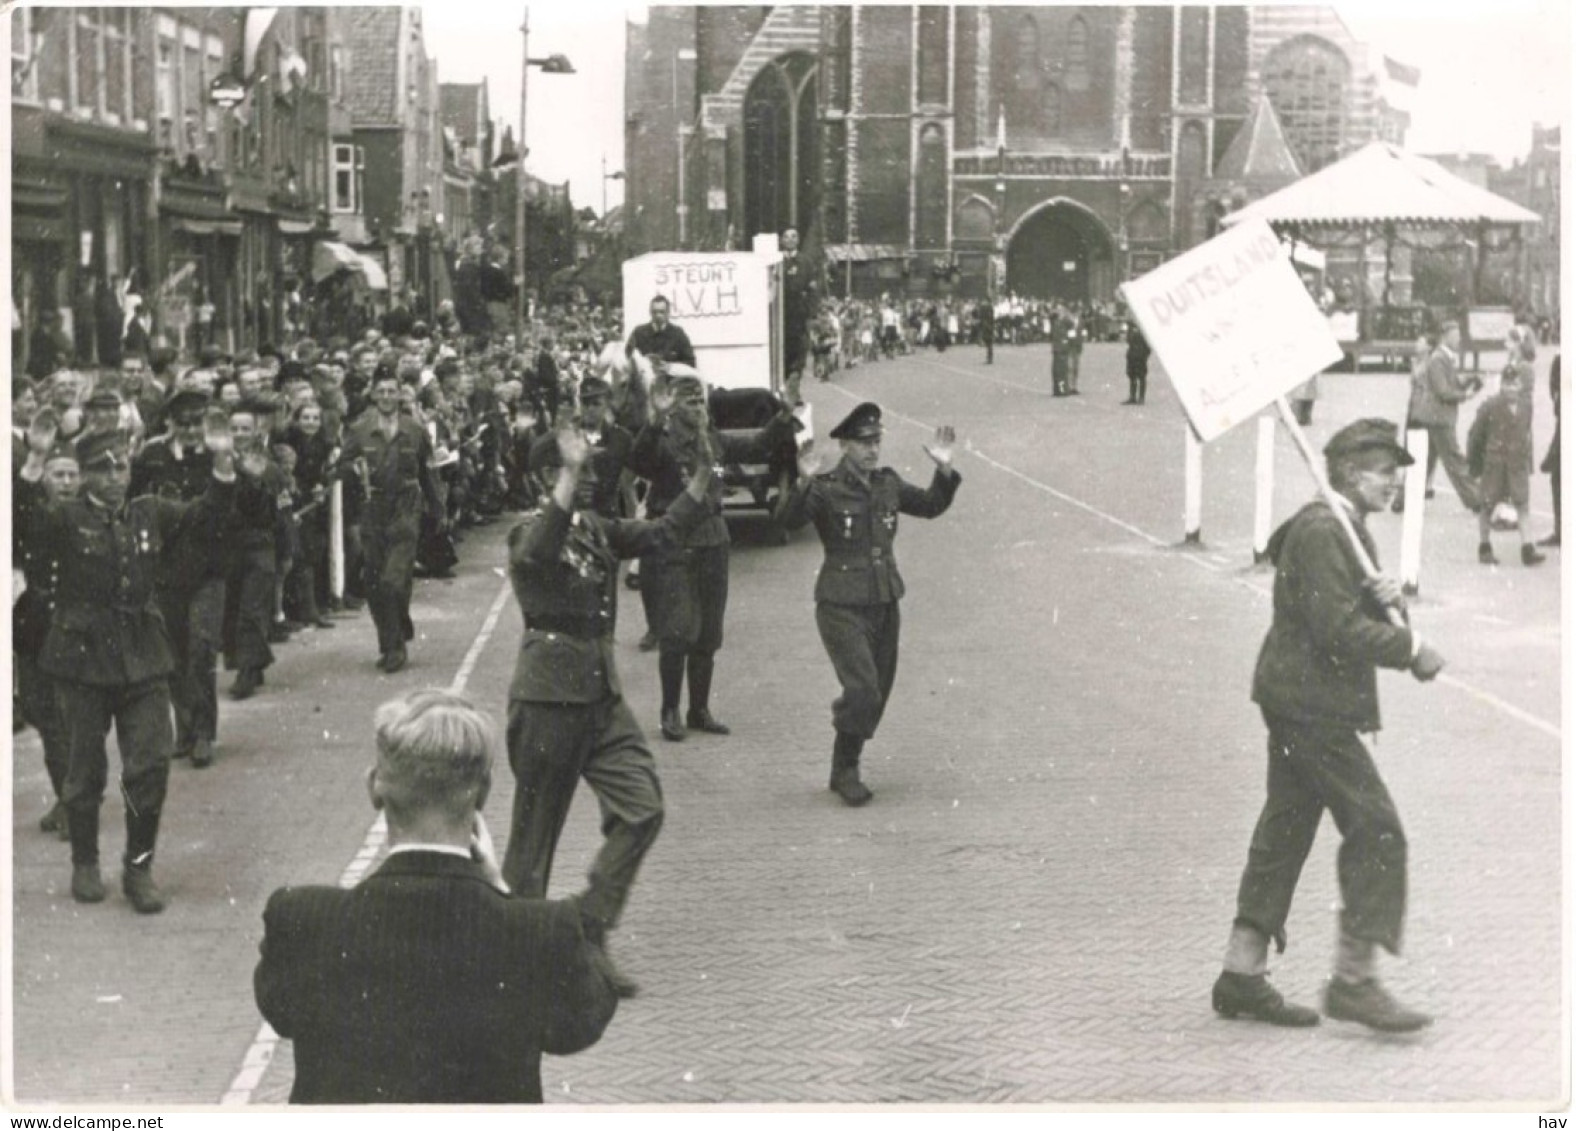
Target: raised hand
(216, 432)
(574, 448)
(940, 449)
(809, 460)
(41, 432)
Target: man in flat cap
(190, 578)
(567, 715)
(855, 509)
(108, 652)
(690, 598)
(1316, 686)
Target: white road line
(260, 1054)
(1205, 562)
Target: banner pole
(1192, 486)
(336, 540)
(1337, 504)
(1264, 490)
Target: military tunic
(858, 589)
(190, 587)
(108, 651)
(567, 715)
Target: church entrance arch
(1060, 250)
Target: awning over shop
(329, 257)
(194, 227)
(1382, 184)
(863, 252)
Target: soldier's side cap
(864, 423)
(685, 385)
(62, 449)
(210, 355)
(166, 355)
(105, 399)
(185, 402)
(593, 389)
(1368, 434)
(102, 449)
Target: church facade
(1055, 151)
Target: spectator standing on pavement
(1551, 459)
(428, 982)
(1499, 455)
(855, 509)
(986, 313)
(107, 650)
(1437, 409)
(1137, 363)
(397, 454)
(568, 719)
(691, 576)
(1061, 353)
(50, 475)
(1316, 684)
(799, 301)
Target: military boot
(845, 770)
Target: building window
(1053, 110)
(336, 72)
(166, 89)
(117, 74)
(1077, 55)
(1307, 79)
(1026, 56)
(86, 66)
(24, 69)
(349, 169)
(213, 49)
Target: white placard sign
(720, 298)
(1233, 325)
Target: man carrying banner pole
(1236, 331)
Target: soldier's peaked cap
(102, 449)
(594, 388)
(185, 402)
(864, 423)
(105, 399)
(1368, 434)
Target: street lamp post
(616, 175)
(551, 65)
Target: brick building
(1060, 149)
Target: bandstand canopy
(1382, 184)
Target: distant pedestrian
(428, 982)
(1499, 455)
(1443, 390)
(1137, 363)
(1551, 459)
(1316, 684)
(855, 508)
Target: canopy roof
(1383, 184)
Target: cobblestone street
(1033, 908)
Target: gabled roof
(1260, 151)
(463, 106)
(1381, 183)
(372, 79)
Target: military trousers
(140, 713)
(691, 597)
(862, 643)
(1314, 767)
(552, 746)
(195, 621)
(390, 531)
(35, 689)
(249, 609)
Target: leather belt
(582, 628)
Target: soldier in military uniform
(855, 509)
(108, 652)
(190, 576)
(567, 715)
(691, 578)
(397, 454)
(49, 475)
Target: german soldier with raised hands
(855, 509)
(567, 715)
(108, 652)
